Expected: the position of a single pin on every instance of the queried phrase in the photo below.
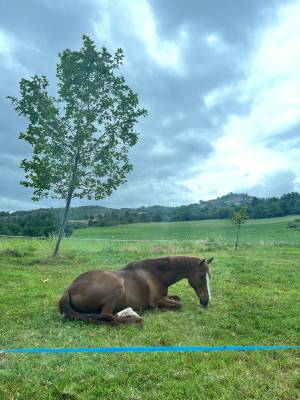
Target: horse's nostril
(204, 303)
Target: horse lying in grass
(96, 296)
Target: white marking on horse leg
(208, 286)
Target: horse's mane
(162, 264)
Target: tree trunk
(68, 203)
(63, 223)
(237, 237)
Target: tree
(91, 219)
(157, 217)
(33, 224)
(80, 139)
(238, 218)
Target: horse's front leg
(168, 303)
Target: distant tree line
(288, 204)
(34, 224)
(43, 222)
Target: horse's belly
(136, 296)
(138, 303)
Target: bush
(40, 223)
(294, 224)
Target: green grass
(255, 301)
(270, 229)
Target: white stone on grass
(128, 312)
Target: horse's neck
(176, 271)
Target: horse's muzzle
(204, 302)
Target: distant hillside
(219, 208)
(230, 199)
(82, 212)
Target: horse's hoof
(130, 319)
(107, 319)
(174, 297)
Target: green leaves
(80, 140)
(239, 217)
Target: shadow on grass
(49, 260)
(16, 253)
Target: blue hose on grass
(148, 349)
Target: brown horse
(96, 296)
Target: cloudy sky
(220, 79)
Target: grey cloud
(42, 28)
(168, 192)
(165, 91)
(275, 184)
(8, 162)
(290, 138)
(46, 25)
(38, 30)
(10, 126)
(169, 157)
(9, 185)
(234, 20)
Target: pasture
(256, 231)
(255, 300)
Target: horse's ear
(206, 261)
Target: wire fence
(23, 237)
(200, 241)
(195, 241)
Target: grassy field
(255, 300)
(271, 229)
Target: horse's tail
(68, 311)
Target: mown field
(259, 230)
(255, 300)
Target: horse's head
(199, 280)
